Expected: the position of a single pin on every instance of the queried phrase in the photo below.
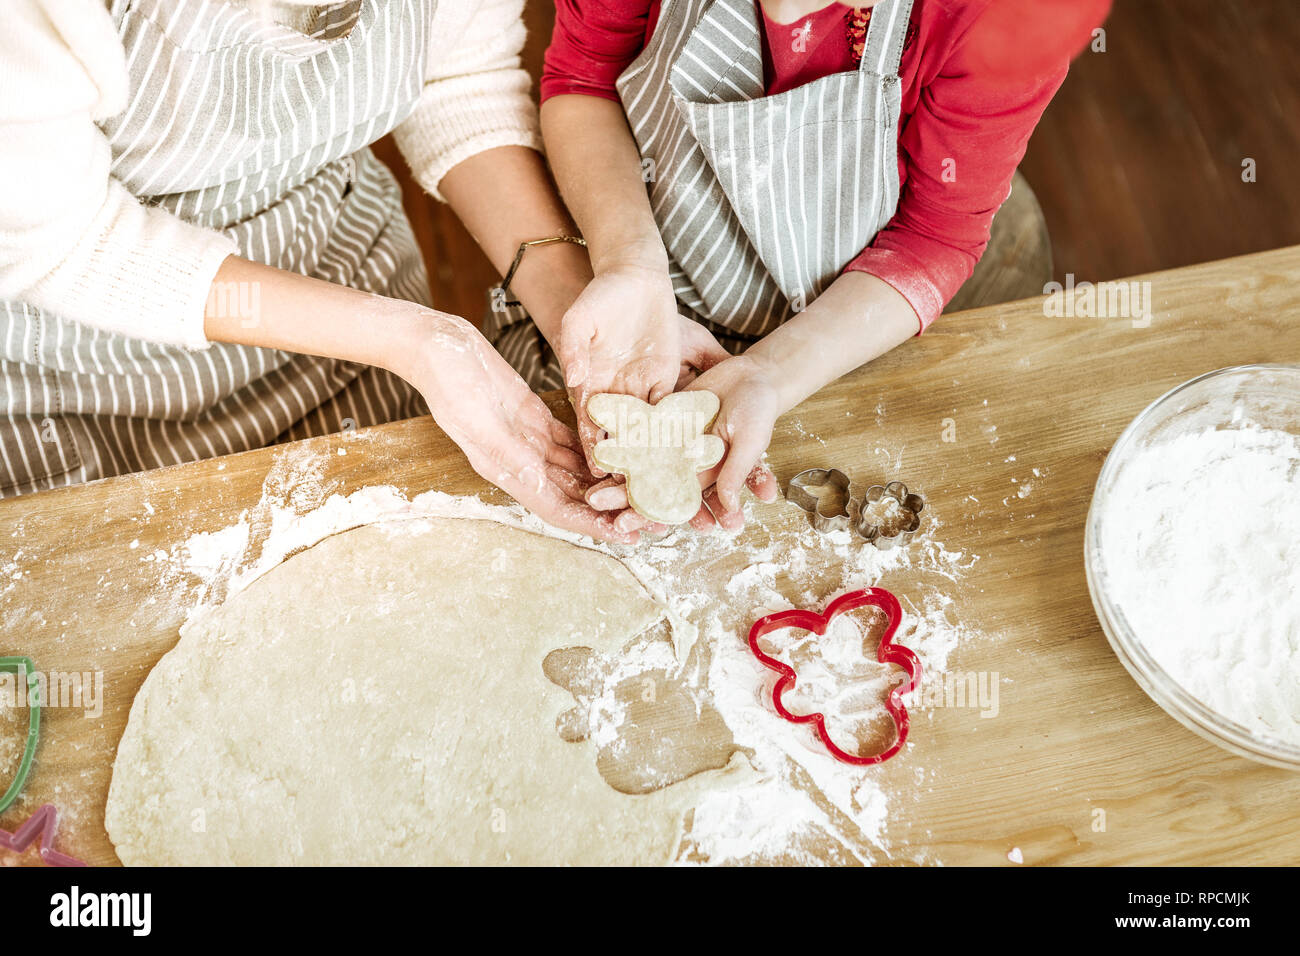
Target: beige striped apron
(260, 131)
(761, 200)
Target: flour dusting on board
(713, 586)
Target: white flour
(714, 587)
(1202, 550)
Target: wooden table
(1080, 766)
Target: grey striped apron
(761, 200)
(245, 126)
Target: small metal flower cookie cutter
(863, 515)
(886, 531)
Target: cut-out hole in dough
(651, 728)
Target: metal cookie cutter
(889, 514)
(829, 512)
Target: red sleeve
(960, 147)
(593, 43)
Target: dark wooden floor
(1137, 163)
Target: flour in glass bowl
(1202, 554)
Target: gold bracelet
(502, 292)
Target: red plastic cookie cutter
(889, 653)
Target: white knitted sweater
(74, 241)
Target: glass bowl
(1265, 395)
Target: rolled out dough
(380, 699)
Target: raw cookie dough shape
(379, 699)
(659, 448)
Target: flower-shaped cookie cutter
(828, 513)
(888, 653)
(887, 515)
(897, 522)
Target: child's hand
(624, 335)
(750, 399)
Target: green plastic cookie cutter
(26, 672)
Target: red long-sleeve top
(976, 77)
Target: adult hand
(699, 352)
(505, 430)
(622, 335)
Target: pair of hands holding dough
(615, 359)
(511, 438)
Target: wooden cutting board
(1078, 767)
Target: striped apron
(761, 200)
(246, 126)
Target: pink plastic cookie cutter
(39, 828)
(888, 653)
